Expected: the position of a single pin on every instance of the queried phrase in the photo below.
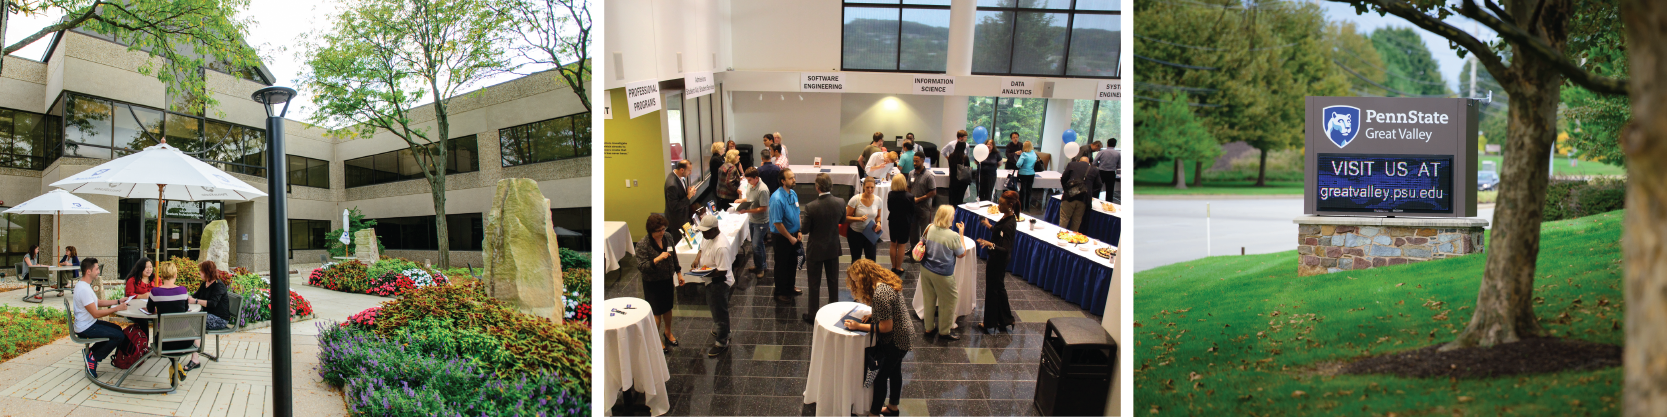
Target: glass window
(18, 232)
(87, 122)
(549, 140)
(136, 127)
(465, 232)
(911, 35)
(1047, 37)
(183, 133)
(318, 173)
(308, 234)
(1002, 116)
(399, 165)
(1096, 120)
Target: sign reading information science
(1379, 156)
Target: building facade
(88, 103)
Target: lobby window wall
(100, 128)
(1001, 116)
(572, 227)
(544, 141)
(419, 233)
(25, 139)
(308, 234)
(1098, 120)
(308, 172)
(462, 155)
(895, 35)
(18, 232)
(1059, 38)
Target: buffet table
(840, 174)
(1073, 272)
(1096, 222)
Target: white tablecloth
(1044, 179)
(732, 231)
(1046, 232)
(617, 244)
(633, 358)
(840, 174)
(836, 372)
(1098, 205)
(966, 283)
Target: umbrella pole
(158, 242)
(58, 232)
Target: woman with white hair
(937, 265)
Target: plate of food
(1110, 208)
(1072, 237)
(993, 210)
(1104, 252)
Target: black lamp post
(276, 101)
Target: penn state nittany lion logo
(1340, 124)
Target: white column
(1057, 119)
(963, 16)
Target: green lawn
(1560, 166)
(1156, 181)
(1244, 335)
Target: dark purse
(1012, 183)
(871, 358)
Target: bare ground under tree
(1526, 357)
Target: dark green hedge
(1571, 199)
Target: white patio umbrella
(57, 203)
(160, 172)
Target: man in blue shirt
(906, 160)
(784, 221)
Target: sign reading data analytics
(643, 97)
(934, 85)
(1020, 87)
(1379, 156)
(823, 82)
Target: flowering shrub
(238, 270)
(366, 319)
(242, 283)
(392, 285)
(576, 311)
(257, 306)
(423, 278)
(351, 276)
(538, 345)
(437, 373)
(189, 275)
(386, 265)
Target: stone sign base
(1329, 244)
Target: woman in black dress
(900, 206)
(960, 175)
(997, 312)
(658, 264)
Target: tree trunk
(1504, 304)
(1645, 250)
(1197, 173)
(1180, 175)
(1262, 170)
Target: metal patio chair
(232, 326)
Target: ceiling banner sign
(1372, 156)
(1020, 87)
(643, 97)
(696, 84)
(822, 82)
(935, 85)
(1110, 90)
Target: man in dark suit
(769, 172)
(987, 171)
(1071, 210)
(822, 218)
(678, 193)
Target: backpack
(1076, 187)
(132, 352)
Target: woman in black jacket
(997, 311)
(657, 260)
(960, 175)
(214, 297)
(900, 206)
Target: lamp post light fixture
(276, 102)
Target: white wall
(774, 35)
(661, 39)
(809, 127)
(894, 115)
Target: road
(1173, 230)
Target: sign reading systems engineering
(1390, 156)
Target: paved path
(1173, 230)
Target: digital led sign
(1387, 184)
(1381, 156)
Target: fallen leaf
(1298, 394)
(1400, 284)
(1464, 399)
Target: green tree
(185, 35)
(1407, 60)
(554, 33)
(1595, 121)
(1168, 130)
(382, 58)
(355, 222)
(1355, 51)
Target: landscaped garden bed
(452, 350)
(24, 329)
(389, 277)
(255, 290)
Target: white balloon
(980, 152)
(1070, 150)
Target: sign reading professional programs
(1390, 156)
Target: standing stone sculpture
(366, 250)
(523, 266)
(216, 244)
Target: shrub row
(24, 329)
(1571, 199)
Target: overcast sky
(1449, 60)
(276, 32)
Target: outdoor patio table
(836, 372)
(617, 244)
(64, 275)
(966, 283)
(732, 230)
(1096, 222)
(136, 306)
(633, 354)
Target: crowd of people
(810, 232)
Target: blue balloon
(1070, 135)
(979, 135)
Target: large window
(18, 232)
(418, 233)
(308, 234)
(1074, 38)
(572, 226)
(1096, 120)
(559, 138)
(308, 172)
(1001, 116)
(462, 155)
(103, 129)
(24, 139)
(906, 35)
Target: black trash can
(745, 151)
(1078, 359)
(929, 151)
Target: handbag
(919, 252)
(872, 356)
(1012, 183)
(844, 227)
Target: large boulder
(523, 266)
(216, 244)
(366, 250)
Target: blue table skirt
(1068, 275)
(1102, 226)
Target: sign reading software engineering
(1380, 156)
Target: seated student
(137, 285)
(718, 282)
(70, 258)
(168, 298)
(213, 296)
(87, 311)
